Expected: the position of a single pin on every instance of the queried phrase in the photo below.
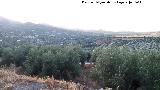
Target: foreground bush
(0, 51)
(124, 68)
(7, 56)
(16, 55)
(60, 61)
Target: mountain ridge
(9, 25)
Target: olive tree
(124, 68)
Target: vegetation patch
(126, 68)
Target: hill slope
(13, 33)
(9, 80)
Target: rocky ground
(9, 80)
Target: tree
(20, 53)
(125, 68)
(7, 56)
(33, 63)
(0, 52)
(60, 61)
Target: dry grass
(9, 79)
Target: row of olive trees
(62, 62)
(15, 55)
(123, 68)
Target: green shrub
(16, 55)
(124, 68)
(60, 61)
(7, 56)
(20, 53)
(0, 52)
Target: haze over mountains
(9, 25)
(6, 24)
(13, 33)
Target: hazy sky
(73, 14)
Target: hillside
(44, 56)
(9, 80)
(13, 33)
(16, 33)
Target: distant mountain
(13, 33)
(9, 25)
(33, 29)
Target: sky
(73, 14)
